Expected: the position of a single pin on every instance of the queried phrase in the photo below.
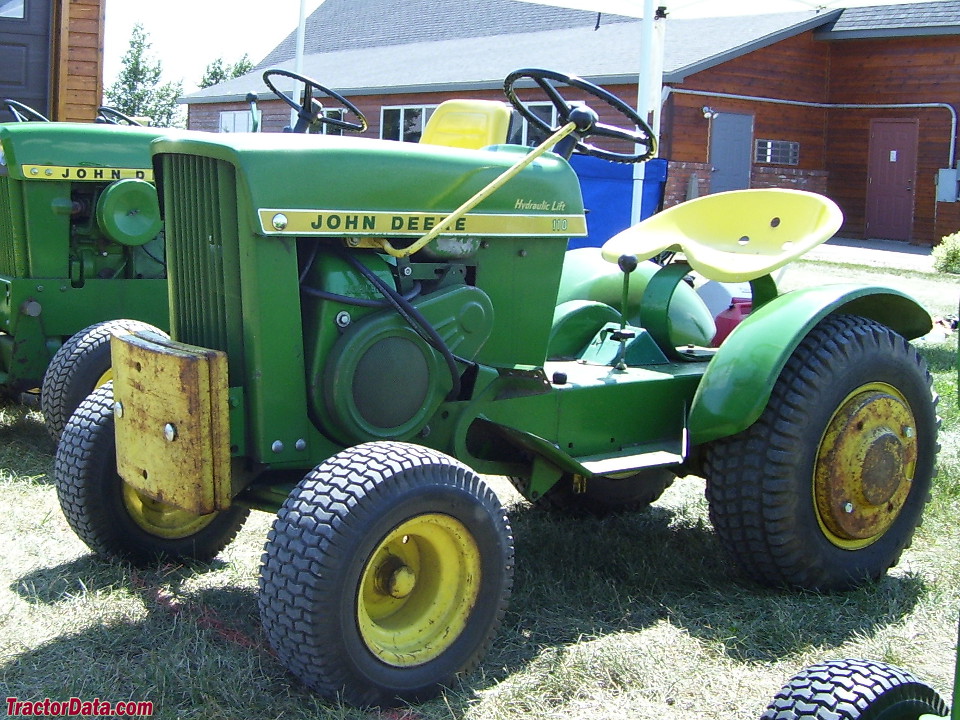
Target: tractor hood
(313, 185)
(75, 151)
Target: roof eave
(869, 34)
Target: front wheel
(112, 517)
(386, 573)
(81, 365)
(824, 491)
(854, 690)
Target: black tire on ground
(112, 518)
(824, 491)
(386, 573)
(604, 496)
(80, 366)
(854, 690)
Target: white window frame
(235, 121)
(425, 112)
(776, 152)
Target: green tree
(137, 90)
(218, 71)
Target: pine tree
(137, 91)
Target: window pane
(517, 126)
(390, 124)
(412, 124)
(11, 8)
(234, 121)
(331, 129)
(545, 112)
(777, 152)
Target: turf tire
(325, 538)
(854, 690)
(760, 483)
(91, 495)
(78, 368)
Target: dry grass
(638, 615)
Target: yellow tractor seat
(470, 124)
(733, 236)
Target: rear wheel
(826, 488)
(603, 496)
(854, 690)
(112, 517)
(386, 573)
(81, 365)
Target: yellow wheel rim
(418, 589)
(865, 466)
(161, 519)
(104, 379)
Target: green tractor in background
(360, 328)
(81, 251)
(81, 247)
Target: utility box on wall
(948, 185)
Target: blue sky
(187, 35)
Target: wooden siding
(77, 59)
(761, 73)
(893, 70)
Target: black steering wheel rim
(642, 136)
(112, 116)
(308, 118)
(23, 113)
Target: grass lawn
(638, 615)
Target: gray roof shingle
(606, 54)
(924, 18)
(392, 46)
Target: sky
(187, 35)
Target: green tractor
(81, 247)
(81, 251)
(361, 328)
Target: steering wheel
(112, 116)
(23, 113)
(587, 121)
(310, 111)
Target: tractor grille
(12, 250)
(200, 213)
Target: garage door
(25, 53)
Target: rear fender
(737, 384)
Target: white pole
(644, 109)
(298, 58)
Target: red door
(891, 178)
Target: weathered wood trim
(76, 60)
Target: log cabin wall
(77, 59)
(793, 69)
(892, 70)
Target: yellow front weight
(418, 590)
(865, 465)
(172, 426)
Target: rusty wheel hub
(865, 465)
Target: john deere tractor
(81, 251)
(81, 246)
(361, 328)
